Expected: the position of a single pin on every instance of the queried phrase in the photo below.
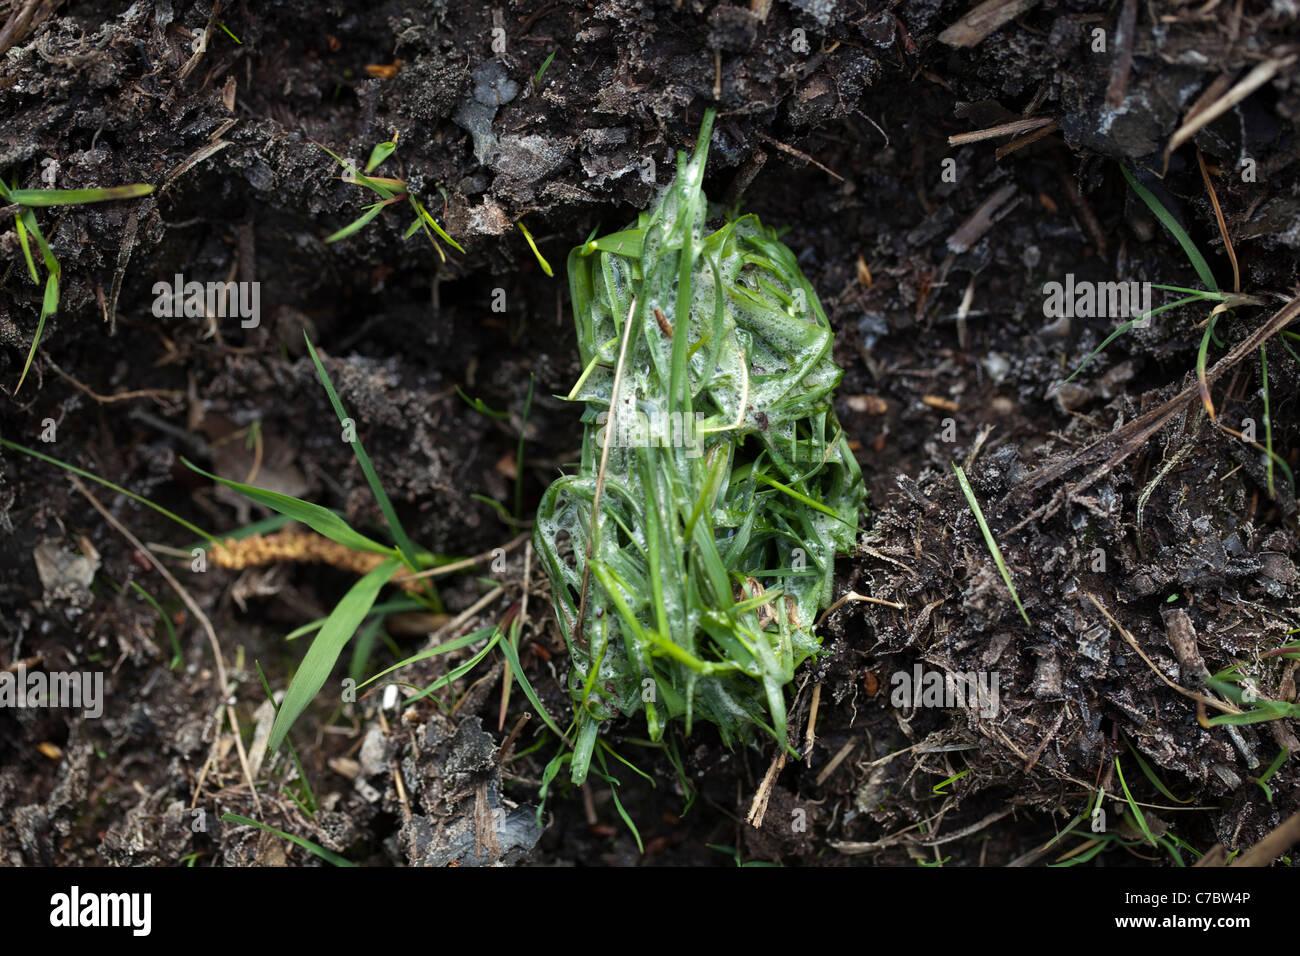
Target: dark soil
(932, 274)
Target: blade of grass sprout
(413, 228)
(50, 302)
(1273, 768)
(455, 644)
(628, 244)
(546, 65)
(604, 774)
(1268, 419)
(320, 851)
(1202, 385)
(551, 771)
(502, 511)
(49, 305)
(1151, 774)
(404, 544)
(1137, 811)
(541, 260)
(800, 497)
(40, 198)
(989, 540)
(1175, 229)
(26, 247)
(325, 649)
(1172, 850)
(458, 672)
(177, 656)
(1128, 325)
(627, 763)
(517, 671)
(357, 224)
(380, 153)
(118, 488)
(308, 795)
(383, 187)
(433, 224)
(481, 407)
(384, 607)
(226, 30)
(321, 520)
(1273, 456)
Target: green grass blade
(380, 153)
(390, 515)
(168, 626)
(76, 197)
(49, 306)
(326, 648)
(321, 520)
(546, 65)
(1175, 229)
(1128, 325)
(26, 247)
(445, 647)
(989, 540)
(320, 851)
(517, 671)
(1132, 804)
(458, 672)
(1151, 774)
(118, 488)
(357, 224)
(541, 260)
(433, 223)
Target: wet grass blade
(326, 648)
(989, 540)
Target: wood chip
(983, 20)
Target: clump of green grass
(687, 569)
(390, 192)
(25, 224)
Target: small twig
(798, 154)
(1015, 127)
